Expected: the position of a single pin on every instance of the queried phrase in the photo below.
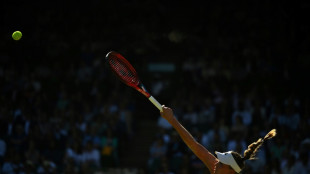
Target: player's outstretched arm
(200, 151)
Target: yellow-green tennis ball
(17, 35)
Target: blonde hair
(250, 152)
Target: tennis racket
(128, 75)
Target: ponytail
(250, 153)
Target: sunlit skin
(221, 168)
(210, 161)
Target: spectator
(73, 154)
(92, 135)
(176, 149)
(237, 143)
(243, 112)
(301, 165)
(239, 128)
(46, 166)
(214, 139)
(157, 152)
(12, 163)
(109, 149)
(32, 155)
(90, 158)
(288, 165)
(18, 139)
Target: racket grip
(156, 103)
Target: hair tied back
(271, 134)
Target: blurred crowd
(240, 71)
(60, 120)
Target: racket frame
(138, 86)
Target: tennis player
(225, 163)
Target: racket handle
(156, 103)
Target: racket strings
(123, 71)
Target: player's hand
(167, 113)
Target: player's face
(221, 168)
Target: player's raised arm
(201, 152)
(225, 163)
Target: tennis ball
(17, 35)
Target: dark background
(258, 51)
